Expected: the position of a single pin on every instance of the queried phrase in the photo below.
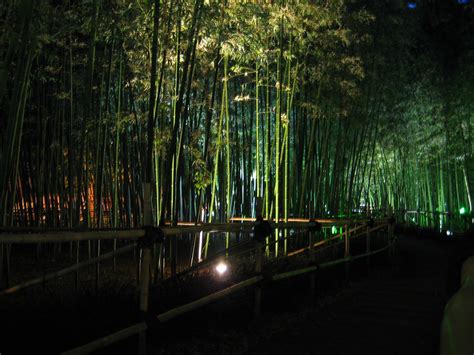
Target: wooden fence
(146, 238)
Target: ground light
(463, 210)
(221, 268)
(449, 233)
(334, 230)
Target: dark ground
(396, 309)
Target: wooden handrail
(128, 248)
(104, 235)
(331, 221)
(173, 313)
(74, 235)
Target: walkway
(396, 311)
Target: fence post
(144, 262)
(312, 276)
(314, 230)
(1, 267)
(144, 294)
(5, 265)
(389, 234)
(173, 254)
(115, 259)
(391, 228)
(261, 231)
(152, 235)
(76, 274)
(158, 263)
(139, 254)
(97, 270)
(145, 279)
(347, 252)
(367, 249)
(346, 241)
(258, 270)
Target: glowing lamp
(449, 233)
(221, 268)
(462, 210)
(334, 230)
(411, 5)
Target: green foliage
(202, 176)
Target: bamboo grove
(222, 108)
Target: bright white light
(221, 268)
(449, 233)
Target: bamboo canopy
(202, 111)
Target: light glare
(221, 268)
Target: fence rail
(34, 236)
